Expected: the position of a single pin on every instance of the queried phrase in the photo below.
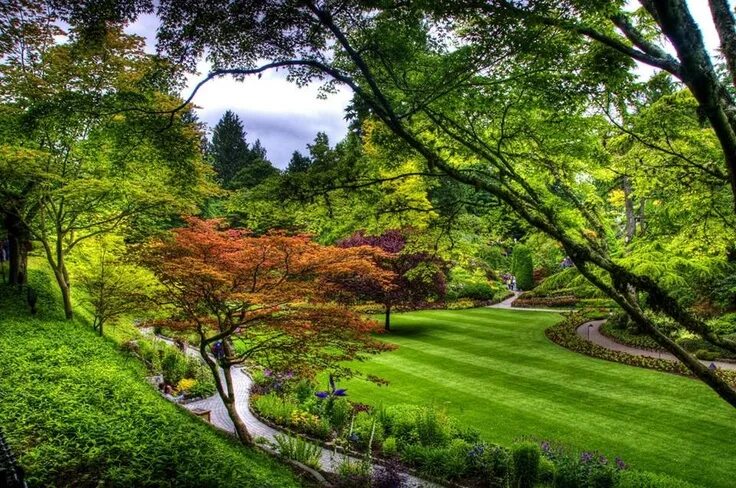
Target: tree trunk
(19, 241)
(66, 293)
(387, 322)
(630, 229)
(698, 73)
(226, 391)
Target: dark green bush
(546, 471)
(476, 291)
(491, 463)
(522, 267)
(526, 463)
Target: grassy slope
(77, 411)
(495, 370)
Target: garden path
(329, 460)
(590, 331)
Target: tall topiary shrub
(522, 267)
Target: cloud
(283, 116)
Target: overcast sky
(286, 118)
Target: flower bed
(422, 440)
(565, 334)
(566, 301)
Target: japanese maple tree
(418, 276)
(262, 300)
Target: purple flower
(545, 447)
(586, 457)
(267, 372)
(620, 464)
(322, 394)
(340, 392)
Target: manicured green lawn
(495, 370)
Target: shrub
(432, 426)
(491, 463)
(366, 426)
(526, 464)
(476, 291)
(173, 366)
(706, 355)
(339, 411)
(429, 460)
(588, 470)
(299, 450)
(274, 407)
(641, 479)
(303, 390)
(400, 422)
(455, 463)
(546, 302)
(389, 447)
(522, 267)
(546, 471)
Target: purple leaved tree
(419, 276)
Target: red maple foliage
(417, 276)
(262, 299)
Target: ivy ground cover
(496, 370)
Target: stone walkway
(329, 460)
(590, 331)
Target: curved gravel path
(329, 460)
(590, 331)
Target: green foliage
(78, 413)
(569, 281)
(643, 479)
(389, 448)
(493, 463)
(365, 427)
(547, 470)
(274, 407)
(299, 450)
(338, 411)
(526, 464)
(522, 267)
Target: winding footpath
(591, 332)
(330, 461)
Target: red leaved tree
(418, 276)
(262, 300)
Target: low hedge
(623, 336)
(565, 335)
(525, 301)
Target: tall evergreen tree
(255, 170)
(299, 163)
(228, 148)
